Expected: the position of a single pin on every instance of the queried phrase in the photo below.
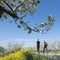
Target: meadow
(25, 54)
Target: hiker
(45, 47)
(38, 45)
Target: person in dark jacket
(45, 46)
(38, 45)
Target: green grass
(31, 56)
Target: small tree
(2, 49)
(18, 9)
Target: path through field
(57, 56)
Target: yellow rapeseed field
(15, 56)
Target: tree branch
(8, 5)
(2, 9)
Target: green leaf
(19, 26)
(38, 1)
(29, 29)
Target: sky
(10, 33)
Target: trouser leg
(43, 49)
(38, 49)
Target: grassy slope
(25, 55)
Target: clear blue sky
(10, 32)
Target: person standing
(45, 46)
(38, 45)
